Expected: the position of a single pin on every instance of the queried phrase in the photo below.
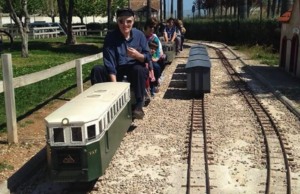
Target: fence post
(9, 93)
(78, 63)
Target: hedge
(250, 32)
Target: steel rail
(193, 117)
(190, 150)
(205, 147)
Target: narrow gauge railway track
(198, 159)
(277, 161)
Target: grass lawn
(265, 55)
(44, 54)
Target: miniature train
(84, 134)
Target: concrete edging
(287, 102)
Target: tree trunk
(129, 4)
(221, 8)
(161, 10)
(165, 10)
(268, 8)
(172, 1)
(1, 24)
(53, 19)
(235, 9)
(148, 9)
(278, 7)
(71, 39)
(66, 19)
(62, 14)
(23, 28)
(81, 19)
(180, 9)
(108, 14)
(273, 8)
(243, 9)
(249, 5)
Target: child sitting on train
(155, 73)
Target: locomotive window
(104, 121)
(47, 132)
(58, 134)
(76, 134)
(108, 117)
(111, 113)
(91, 130)
(100, 126)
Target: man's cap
(125, 12)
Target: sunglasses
(125, 21)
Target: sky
(187, 4)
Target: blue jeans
(157, 74)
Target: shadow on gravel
(28, 170)
(177, 87)
(284, 82)
(131, 128)
(281, 80)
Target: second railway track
(277, 157)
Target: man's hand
(113, 78)
(131, 52)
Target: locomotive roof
(89, 105)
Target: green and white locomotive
(84, 134)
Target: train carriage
(83, 134)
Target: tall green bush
(234, 32)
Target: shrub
(250, 32)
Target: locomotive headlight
(65, 121)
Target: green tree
(49, 8)
(85, 8)
(18, 9)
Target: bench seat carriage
(84, 134)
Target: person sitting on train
(156, 68)
(170, 34)
(149, 29)
(181, 31)
(125, 53)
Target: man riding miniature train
(125, 53)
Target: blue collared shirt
(115, 49)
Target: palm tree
(180, 9)
(148, 9)
(161, 9)
(165, 9)
(172, 1)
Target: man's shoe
(138, 113)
